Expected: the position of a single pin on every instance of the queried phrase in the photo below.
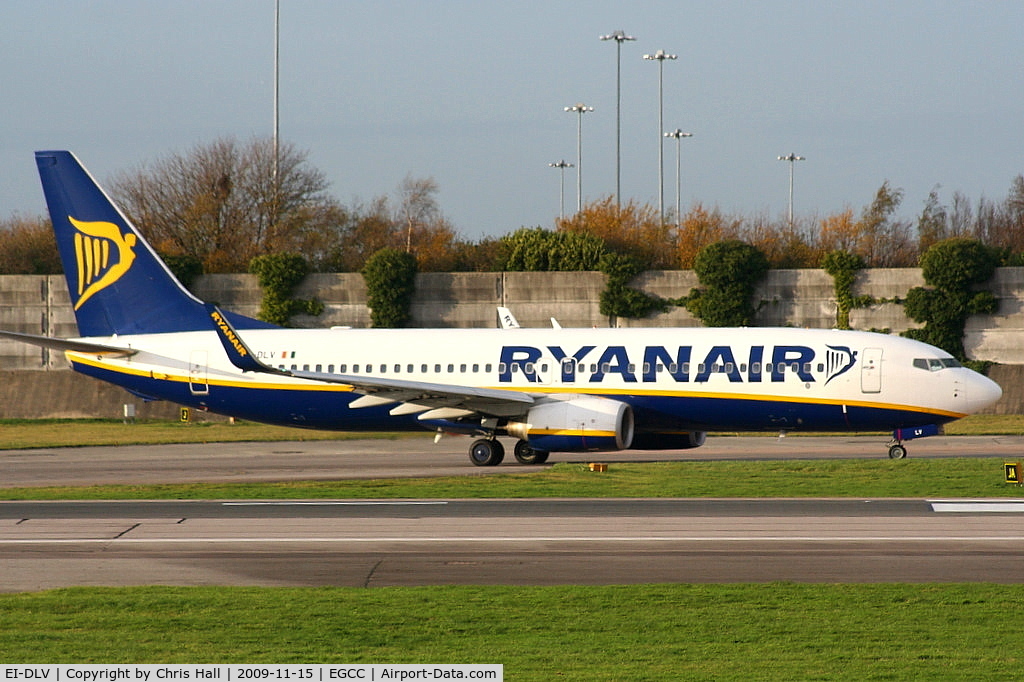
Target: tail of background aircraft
(118, 284)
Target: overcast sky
(921, 93)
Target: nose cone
(982, 392)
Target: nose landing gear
(897, 450)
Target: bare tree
(418, 207)
(219, 203)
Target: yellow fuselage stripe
(312, 385)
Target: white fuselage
(737, 379)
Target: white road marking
(336, 503)
(502, 539)
(990, 506)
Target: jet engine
(576, 424)
(677, 440)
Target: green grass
(16, 434)
(651, 632)
(952, 477)
(987, 425)
(48, 433)
(642, 632)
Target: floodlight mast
(619, 37)
(277, 80)
(678, 135)
(561, 166)
(579, 109)
(660, 56)
(792, 158)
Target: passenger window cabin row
(569, 367)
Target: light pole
(619, 37)
(277, 54)
(579, 109)
(660, 57)
(678, 134)
(792, 158)
(561, 166)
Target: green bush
(185, 267)
(957, 264)
(539, 250)
(390, 277)
(843, 267)
(952, 267)
(278, 274)
(729, 272)
(619, 299)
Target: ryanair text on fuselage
(755, 366)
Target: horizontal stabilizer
(68, 344)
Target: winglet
(241, 355)
(507, 319)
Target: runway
(367, 543)
(536, 542)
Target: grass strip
(648, 632)
(49, 433)
(862, 478)
(18, 434)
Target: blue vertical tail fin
(118, 284)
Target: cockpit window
(935, 364)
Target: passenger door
(871, 371)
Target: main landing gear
(489, 452)
(486, 452)
(527, 455)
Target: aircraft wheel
(897, 451)
(527, 455)
(486, 453)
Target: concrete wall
(795, 298)
(798, 298)
(1000, 336)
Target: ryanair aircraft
(554, 389)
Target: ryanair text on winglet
(228, 334)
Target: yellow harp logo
(102, 255)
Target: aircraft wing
(68, 344)
(429, 400)
(433, 401)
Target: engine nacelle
(684, 440)
(576, 425)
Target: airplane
(554, 390)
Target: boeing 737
(555, 390)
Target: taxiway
(539, 541)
